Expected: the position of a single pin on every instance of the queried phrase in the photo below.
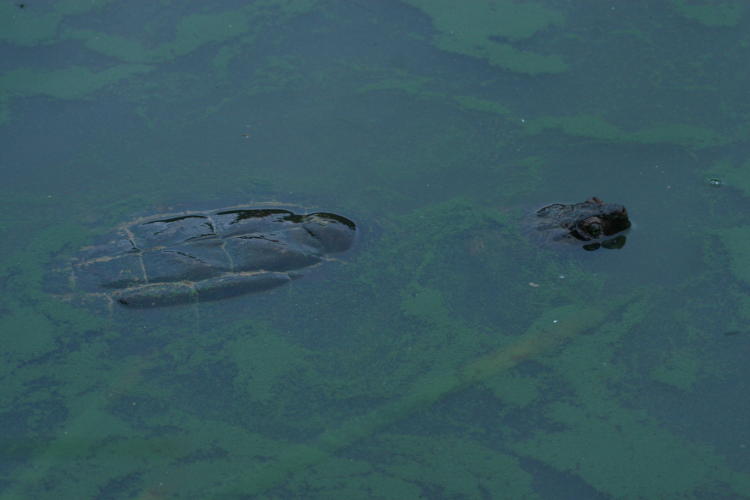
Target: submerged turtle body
(198, 256)
(590, 223)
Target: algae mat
(546, 333)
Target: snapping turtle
(196, 256)
(590, 222)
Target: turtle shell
(196, 256)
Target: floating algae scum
(547, 332)
(286, 460)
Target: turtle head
(597, 219)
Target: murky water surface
(450, 353)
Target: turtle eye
(594, 229)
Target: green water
(448, 355)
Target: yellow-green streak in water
(547, 332)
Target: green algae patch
(485, 18)
(192, 32)
(681, 369)
(433, 351)
(263, 360)
(34, 25)
(420, 87)
(736, 241)
(609, 450)
(476, 104)
(32, 334)
(514, 389)
(402, 81)
(713, 13)
(23, 28)
(120, 47)
(74, 82)
(26, 270)
(352, 479)
(546, 332)
(195, 31)
(36, 315)
(732, 174)
(597, 128)
(590, 126)
(474, 28)
(4, 113)
(680, 134)
(471, 473)
(92, 384)
(605, 443)
(425, 303)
